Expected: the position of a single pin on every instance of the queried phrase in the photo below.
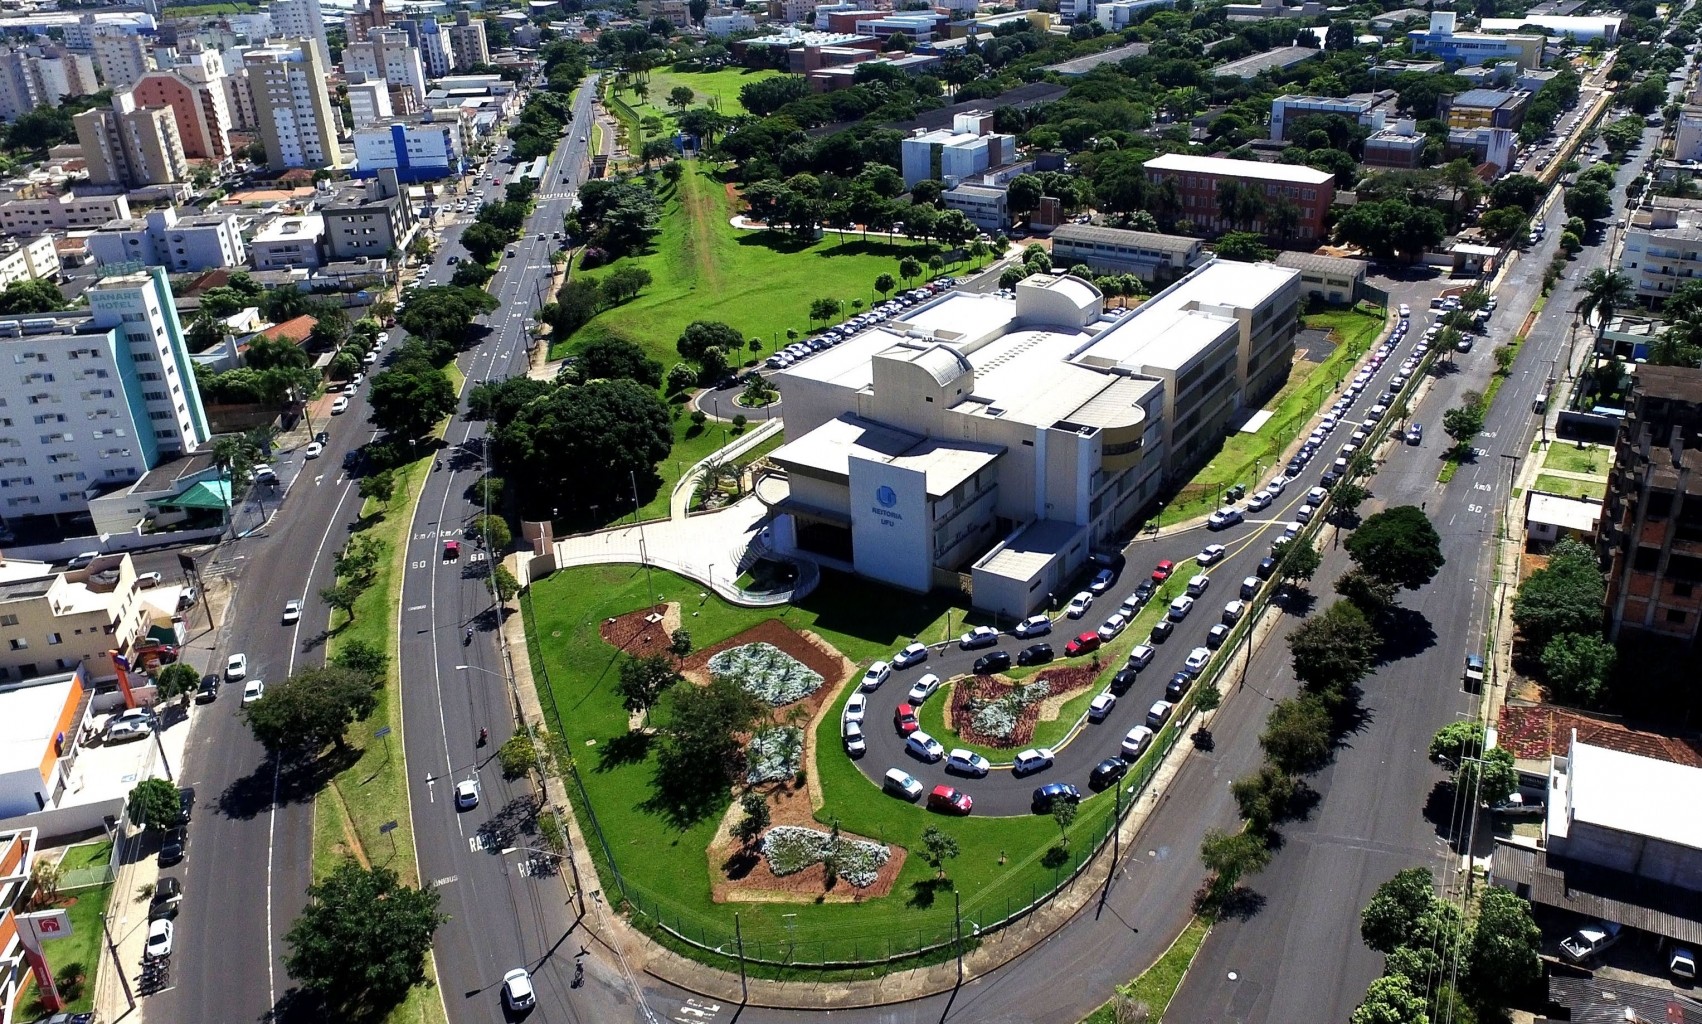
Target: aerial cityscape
(1047, 511)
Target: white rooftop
(29, 718)
(1568, 513)
(1635, 795)
(1295, 173)
(1169, 328)
(293, 227)
(964, 314)
(830, 447)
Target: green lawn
(1252, 459)
(718, 90)
(663, 861)
(758, 281)
(80, 953)
(1571, 486)
(87, 855)
(1157, 985)
(1570, 458)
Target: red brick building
(1200, 180)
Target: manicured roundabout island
(769, 817)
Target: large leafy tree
(1504, 947)
(701, 335)
(1335, 649)
(642, 681)
(1564, 596)
(1391, 1000)
(616, 358)
(1387, 922)
(1297, 734)
(408, 399)
(1576, 667)
(153, 804)
(700, 751)
(309, 710)
(1492, 778)
(177, 680)
(34, 296)
(484, 241)
(1398, 545)
(361, 942)
(585, 445)
(1457, 740)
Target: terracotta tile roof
(293, 331)
(1533, 732)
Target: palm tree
(1605, 291)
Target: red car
(904, 716)
(947, 800)
(1162, 571)
(1082, 644)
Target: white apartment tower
(301, 19)
(121, 57)
(131, 145)
(94, 398)
(389, 56)
(467, 41)
(191, 83)
(292, 106)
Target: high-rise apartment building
(239, 102)
(193, 88)
(131, 145)
(467, 41)
(386, 54)
(34, 77)
(63, 73)
(120, 56)
(361, 20)
(369, 103)
(95, 397)
(292, 106)
(428, 35)
(301, 19)
(1650, 532)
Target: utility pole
(739, 938)
(957, 916)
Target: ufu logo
(887, 498)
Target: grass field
(718, 90)
(1571, 458)
(81, 950)
(1246, 456)
(758, 281)
(1571, 486)
(1157, 985)
(663, 860)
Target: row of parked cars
(800, 350)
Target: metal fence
(93, 875)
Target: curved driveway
(1002, 792)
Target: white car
(467, 794)
(147, 580)
(915, 654)
(1034, 625)
(1102, 581)
(856, 707)
(924, 688)
(967, 762)
(854, 744)
(1142, 656)
(1136, 741)
(236, 667)
(382, 338)
(1199, 585)
(920, 745)
(1180, 608)
(253, 690)
(1101, 706)
(877, 674)
(1033, 760)
(1232, 612)
(1259, 501)
(340, 406)
(900, 784)
(1406, 311)
(265, 473)
(369, 358)
(517, 990)
(1212, 553)
(292, 612)
(1079, 605)
(1113, 627)
(980, 636)
(1197, 659)
(350, 388)
(313, 450)
(132, 724)
(159, 939)
(1159, 713)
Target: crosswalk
(555, 195)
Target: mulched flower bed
(631, 634)
(977, 698)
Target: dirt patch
(743, 877)
(638, 634)
(971, 693)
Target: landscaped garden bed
(767, 673)
(774, 755)
(790, 849)
(994, 712)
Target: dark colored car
(351, 458)
(168, 893)
(1034, 654)
(995, 661)
(1106, 773)
(1146, 589)
(185, 804)
(208, 690)
(1177, 686)
(1267, 567)
(1161, 630)
(1124, 679)
(1046, 795)
(904, 717)
(172, 845)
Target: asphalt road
(250, 852)
(506, 905)
(1382, 807)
